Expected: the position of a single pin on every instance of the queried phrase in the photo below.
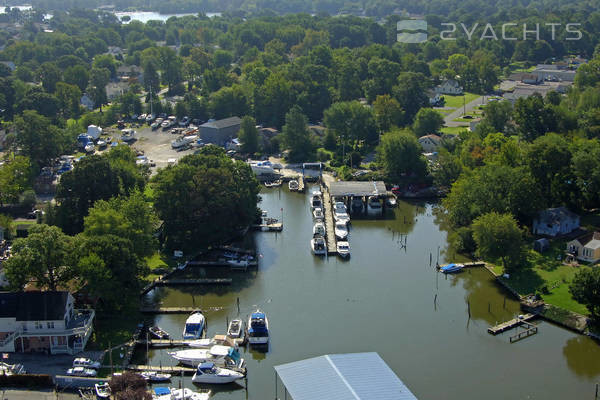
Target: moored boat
(451, 268)
(357, 205)
(318, 246)
(293, 185)
(258, 328)
(158, 333)
(187, 394)
(194, 326)
(102, 390)
(235, 330)
(318, 214)
(374, 205)
(210, 373)
(86, 363)
(153, 376)
(222, 340)
(341, 230)
(222, 355)
(319, 229)
(343, 249)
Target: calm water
(382, 300)
(145, 16)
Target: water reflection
(583, 356)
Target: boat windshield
(193, 328)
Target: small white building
(450, 86)
(555, 222)
(586, 248)
(430, 143)
(87, 102)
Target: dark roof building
(221, 131)
(34, 306)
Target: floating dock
(329, 224)
(173, 370)
(276, 227)
(164, 343)
(513, 323)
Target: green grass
(520, 66)
(453, 129)
(158, 260)
(457, 101)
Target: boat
(186, 394)
(235, 330)
(340, 207)
(343, 249)
(341, 230)
(102, 390)
(89, 148)
(194, 326)
(183, 141)
(357, 205)
(161, 393)
(222, 355)
(451, 268)
(81, 371)
(293, 185)
(273, 184)
(86, 363)
(156, 124)
(210, 373)
(319, 229)
(318, 214)
(318, 246)
(101, 144)
(342, 217)
(258, 328)
(128, 135)
(262, 167)
(315, 201)
(239, 262)
(153, 376)
(158, 333)
(222, 340)
(374, 205)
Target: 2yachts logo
(415, 31)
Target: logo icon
(411, 31)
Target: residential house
(555, 222)
(116, 89)
(87, 101)
(43, 322)
(127, 73)
(586, 248)
(430, 143)
(449, 87)
(221, 131)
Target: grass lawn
(549, 277)
(453, 129)
(519, 66)
(158, 260)
(457, 101)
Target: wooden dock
(276, 227)
(173, 370)
(163, 343)
(301, 184)
(168, 310)
(217, 263)
(190, 282)
(494, 330)
(530, 330)
(329, 224)
(237, 250)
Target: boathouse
(353, 376)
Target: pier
(168, 310)
(513, 323)
(329, 224)
(190, 282)
(217, 263)
(276, 227)
(173, 370)
(163, 343)
(301, 184)
(530, 329)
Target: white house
(430, 143)
(555, 222)
(87, 102)
(586, 248)
(43, 322)
(449, 87)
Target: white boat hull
(218, 379)
(258, 340)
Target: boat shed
(354, 376)
(357, 189)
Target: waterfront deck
(329, 224)
(494, 330)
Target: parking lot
(48, 364)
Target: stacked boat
(318, 244)
(342, 218)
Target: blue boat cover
(449, 266)
(258, 315)
(161, 391)
(206, 365)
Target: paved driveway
(448, 119)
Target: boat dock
(329, 224)
(217, 263)
(301, 184)
(163, 343)
(190, 282)
(530, 330)
(474, 264)
(168, 310)
(173, 370)
(276, 227)
(513, 323)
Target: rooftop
(353, 376)
(33, 306)
(556, 215)
(353, 188)
(222, 123)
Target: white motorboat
(293, 185)
(341, 230)
(210, 373)
(86, 363)
(316, 200)
(319, 229)
(183, 141)
(318, 214)
(81, 371)
(339, 207)
(194, 326)
(262, 167)
(153, 376)
(343, 249)
(222, 340)
(127, 135)
(8, 369)
(342, 217)
(239, 262)
(221, 355)
(391, 201)
(357, 205)
(318, 246)
(156, 124)
(186, 394)
(89, 148)
(235, 330)
(374, 205)
(102, 390)
(258, 328)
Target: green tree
(427, 121)
(399, 154)
(248, 135)
(77, 75)
(50, 75)
(99, 78)
(44, 256)
(533, 117)
(38, 139)
(351, 121)
(15, 178)
(499, 236)
(447, 169)
(68, 97)
(584, 289)
(205, 199)
(497, 114)
(586, 168)
(296, 136)
(410, 93)
(388, 112)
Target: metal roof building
(357, 189)
(354, 376)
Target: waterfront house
(449, 87)
(586, 248)
(43, 322)
(555, 222)
(221, 131)
(430, 143)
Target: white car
(86, 363)
(81, 371)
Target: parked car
(81, 371)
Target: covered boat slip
(354, 376)
(362, 193)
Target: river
(382, 300)
(145, 16)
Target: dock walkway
(494, 330)
(173, 370)
(191, 282)
(329, 224)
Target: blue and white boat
(258, 328)
(194, 326)
(451, 268)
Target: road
(448, 119)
